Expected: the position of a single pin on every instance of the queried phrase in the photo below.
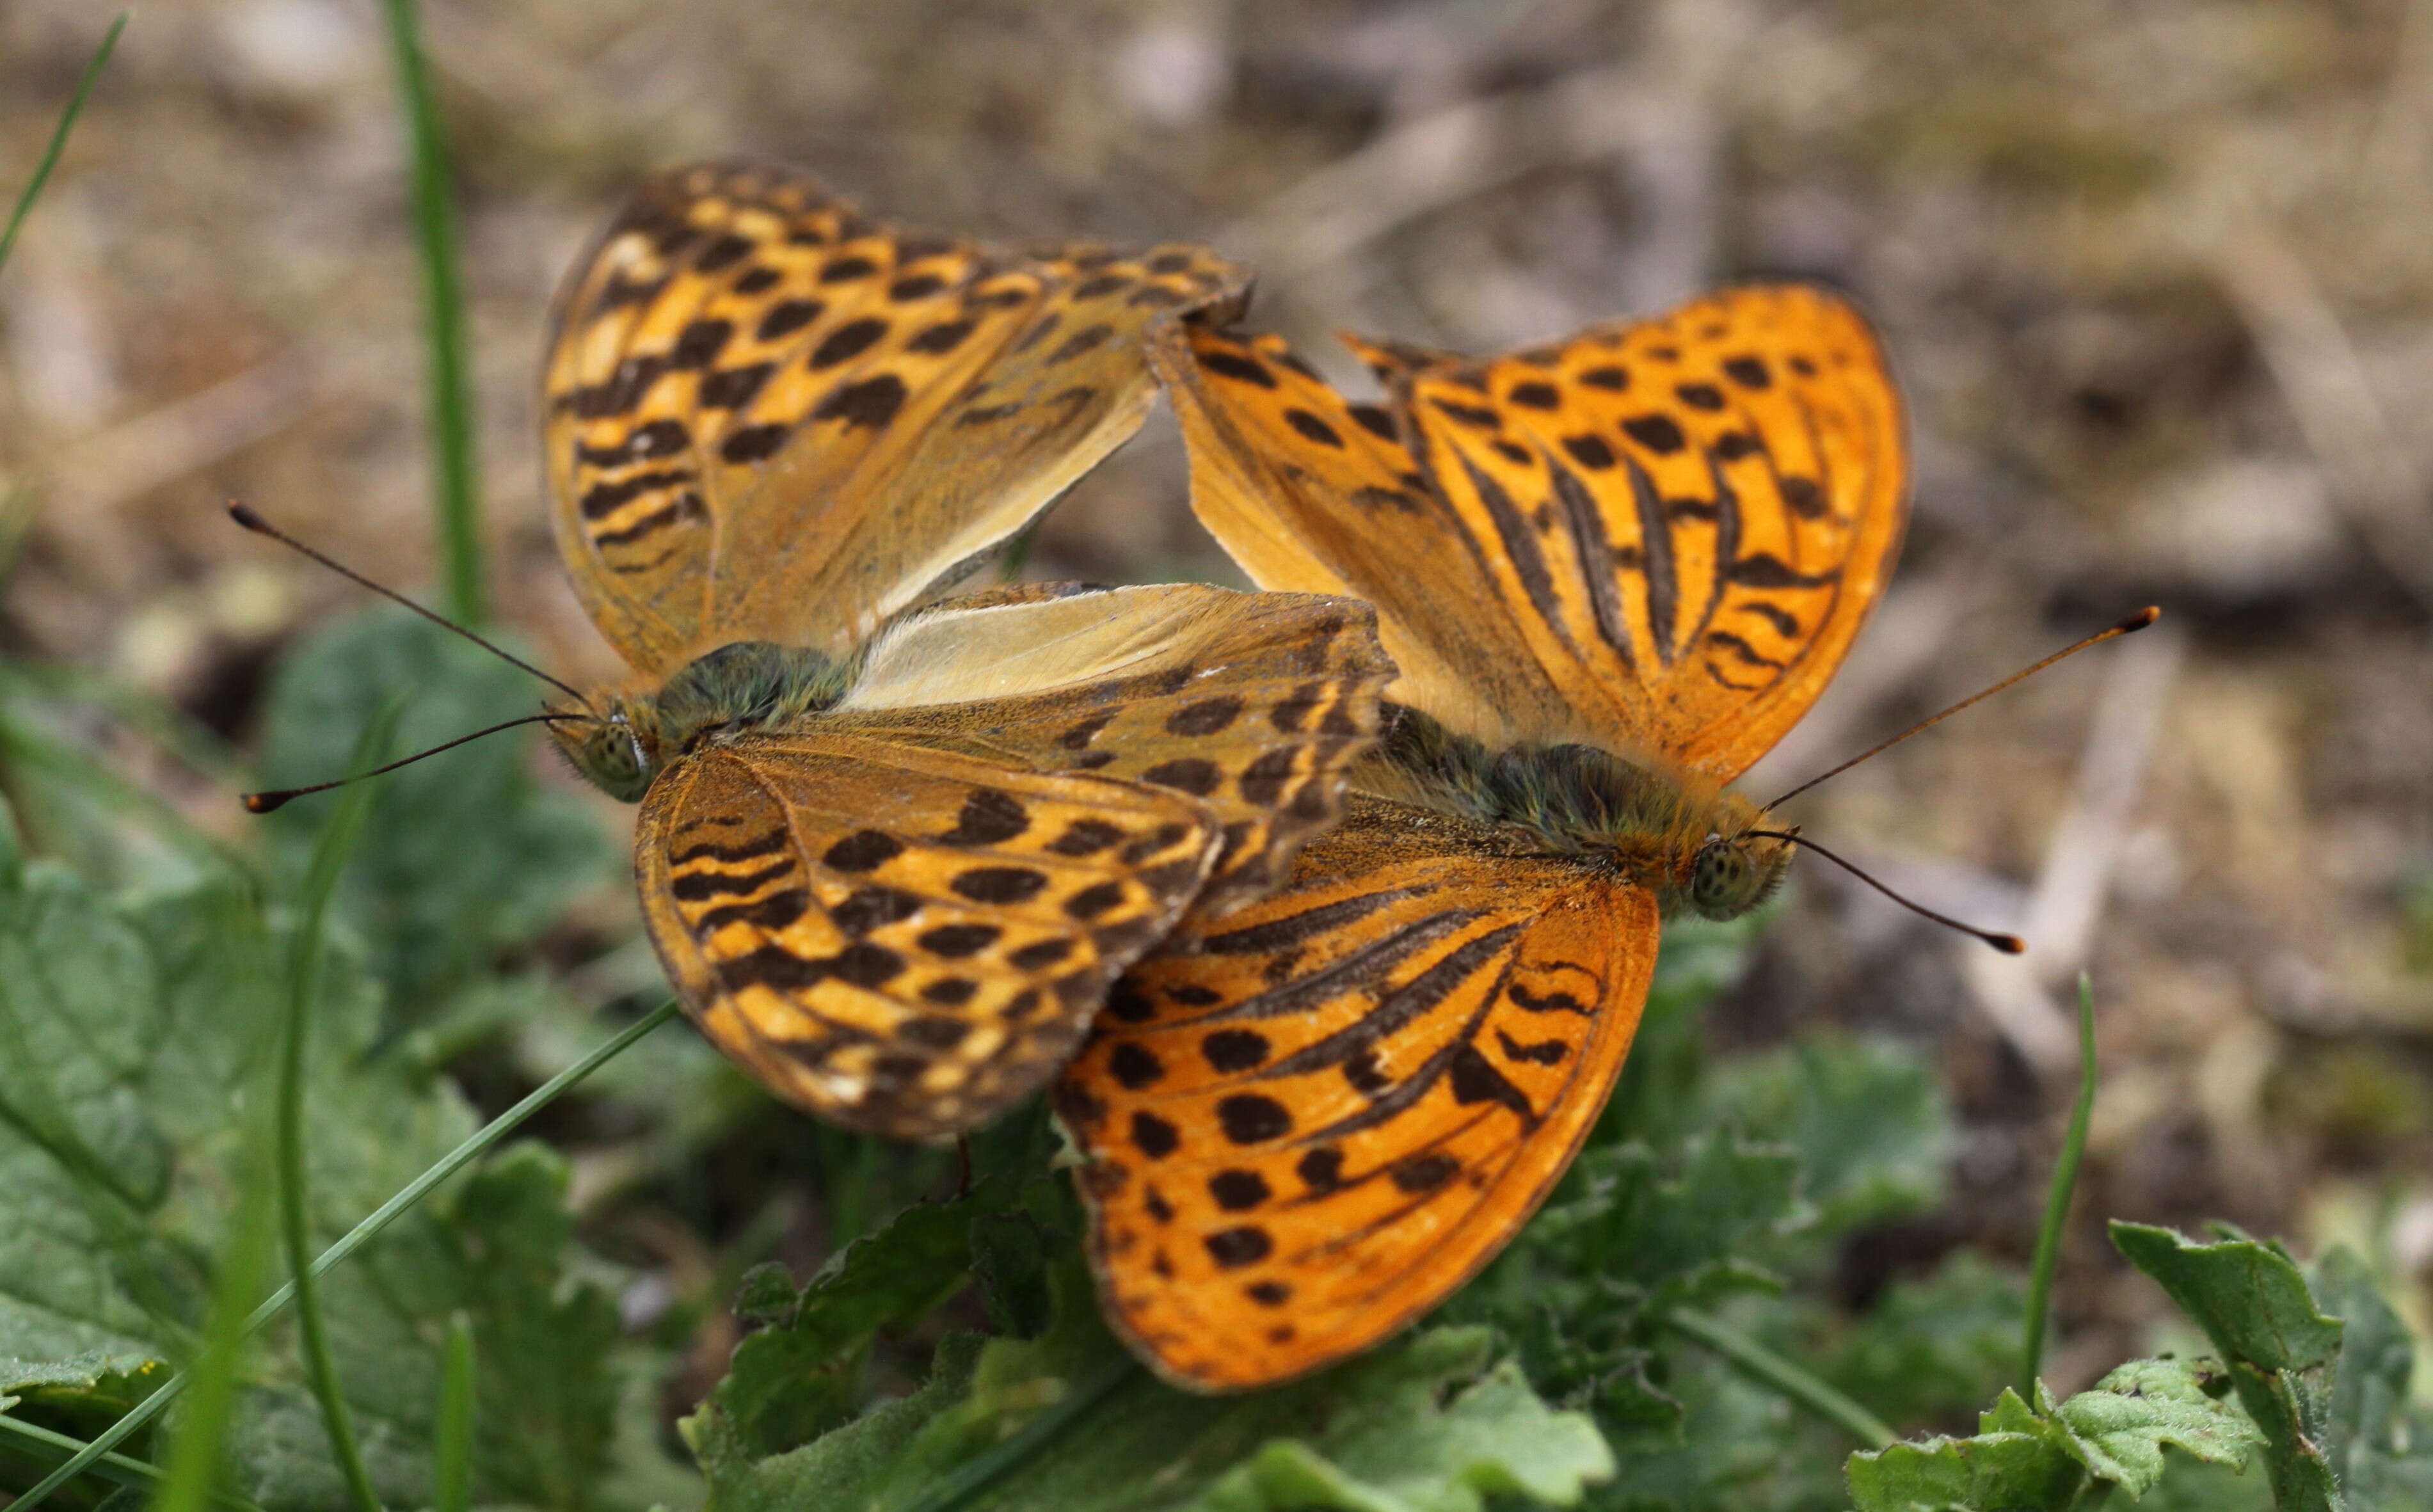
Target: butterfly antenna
(2007, 945)
(262, 803)
(244, 515)
(2137, 621)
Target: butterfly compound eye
(1725, 881)
(610, 757)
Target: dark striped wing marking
(1683, 521)
(902, 939)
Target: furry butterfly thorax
(1696, 844)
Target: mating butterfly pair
(1366, 983)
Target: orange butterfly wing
(1308, 1122)
(1683, 521)
(768, 417)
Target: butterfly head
(1735, 871)
(613, 741)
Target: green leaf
(2023, 1468)
(1677, 1239)
(1935, 1345)
(1010, 1254)
(1426, 1426)
(132, 1033)
(1394, 1447)
(546, 1401)
(2252, 1302)
(2381, 1446)
(2050, 1456)
(2250, 1299)
(1577, 1293)
(1873, 1129)
(788, 1382)
(83, 807)
(2120, 1426)
(466, 855)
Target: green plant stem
(450, 384)
(361, 1234)
(452, 1451)
(953, 1490)
(1763, 1365)
(295, 1201)
(33, 1439)
(198, 1447)
(33, 189)
(2064, 1180)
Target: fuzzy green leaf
(1010, 1255)
(789, 1382)
(2252, 1302)
(2048, 1456)
(132, 1034)
(1933, 1345)
(2120, 1426)
(2381, 1445)
(1868, 1119)
(2026, 1468)
(1422, 1427)
(1577, 1293)
(2250, 1299)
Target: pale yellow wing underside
(1255, 703)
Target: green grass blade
(452, 1453)
(361, 1234)
(295, 1201)
(454, 486)
(2064, 1180)
(36, 1439)
(59, 137)
(195, 1457)
(1768, 1368)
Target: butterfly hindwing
(1675, 527)
(902, 911)
(769, 417)
(1308, 1123)
(1256, 705)
(901, 939)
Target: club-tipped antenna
(2008, 945)
(262, 803)
(243, 514)
(2137, 621)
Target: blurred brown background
(2159, 277)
